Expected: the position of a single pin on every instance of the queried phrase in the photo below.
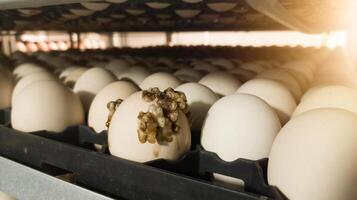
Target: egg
(81, 12)
(25, 69)
(300, 78)
(66, 72)
(253, 67)
(204, 67)
(90, 83)
(199, 99)
(242, 74)
(240, 126)
(95, 6)
(335, 75)
(161, 80)
(157, 5)
(314, 156)
(333, 96)
(273, 93)
(6, 89)
(301, 67)
(224, 63)
(29, 79)
(285, 78)
(128, 137)
(221, 83)
(188, 74)
(135, 12)
(221, 6)
(73, 76)
(187, 13)
(46, 105)
(117, 66)
(135, 74)
(98, 112)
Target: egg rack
(167, 15)
(186, 178)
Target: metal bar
(14, 4)
(26, 183)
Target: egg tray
(5, 116)
(186, 178)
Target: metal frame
(26, 183)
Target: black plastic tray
(186, 178)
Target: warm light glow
(336, 39)
(259, 38)
(21, 46)
(212, 38)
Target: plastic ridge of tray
(111, 175)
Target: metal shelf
(25, 183)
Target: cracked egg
(150, 125)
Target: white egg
(90, 83)
(46, 105)
(285, 78)
(199, 98)
(253, 67)
(335, 75)
(135, 12)
(117, 66)
(224, 63)
(6, 89)
(81, 12)
(66, 72)
(73, 76)
(25, 69)
(188, 74)
(161, 80)
(221, 83)
(204, 67)
(221, 6)
(301, 67)
(273, 93)
(314, 156)
(98, 112)
(300, 78)
(158, 5)
(242, 74)
(240, 126)
(135, 74)
(187, 13)
(95, 6)
(333, 96)
(29, 79)
(123, 136)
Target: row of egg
(242, 125)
